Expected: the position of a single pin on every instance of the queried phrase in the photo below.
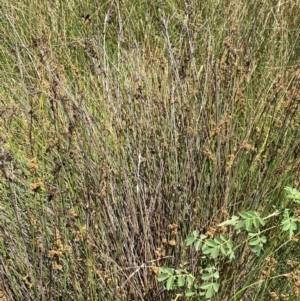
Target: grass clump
(219, 246)
(126, 126)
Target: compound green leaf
(240, 224)
(214, 252)
(190, 279)
(210, 243)
(190, 240)
(170, 283)
(179, 271)
(190, 293)
(254, 241)
(230, 222)
(196, 233)
(216, 286)
(180, 280)
(244, 214)
(263, 239)
(167, 270)
(162, 277)
(198, 245)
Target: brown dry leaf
(36, 186)
(32, 164)
(172, 242)
(209, 154)
(2, 296)
(57, 267)
(248, 147)
(155, 269)
(53, 253)
(230, 161)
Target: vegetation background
(125, 125)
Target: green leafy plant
(289, 223)
(293, 193)
(205, 284)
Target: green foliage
(289, 223)
(205, 284)
(293, 193)
(175, 278)
(248, 220)
(121, 117)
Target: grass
(126, 125)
